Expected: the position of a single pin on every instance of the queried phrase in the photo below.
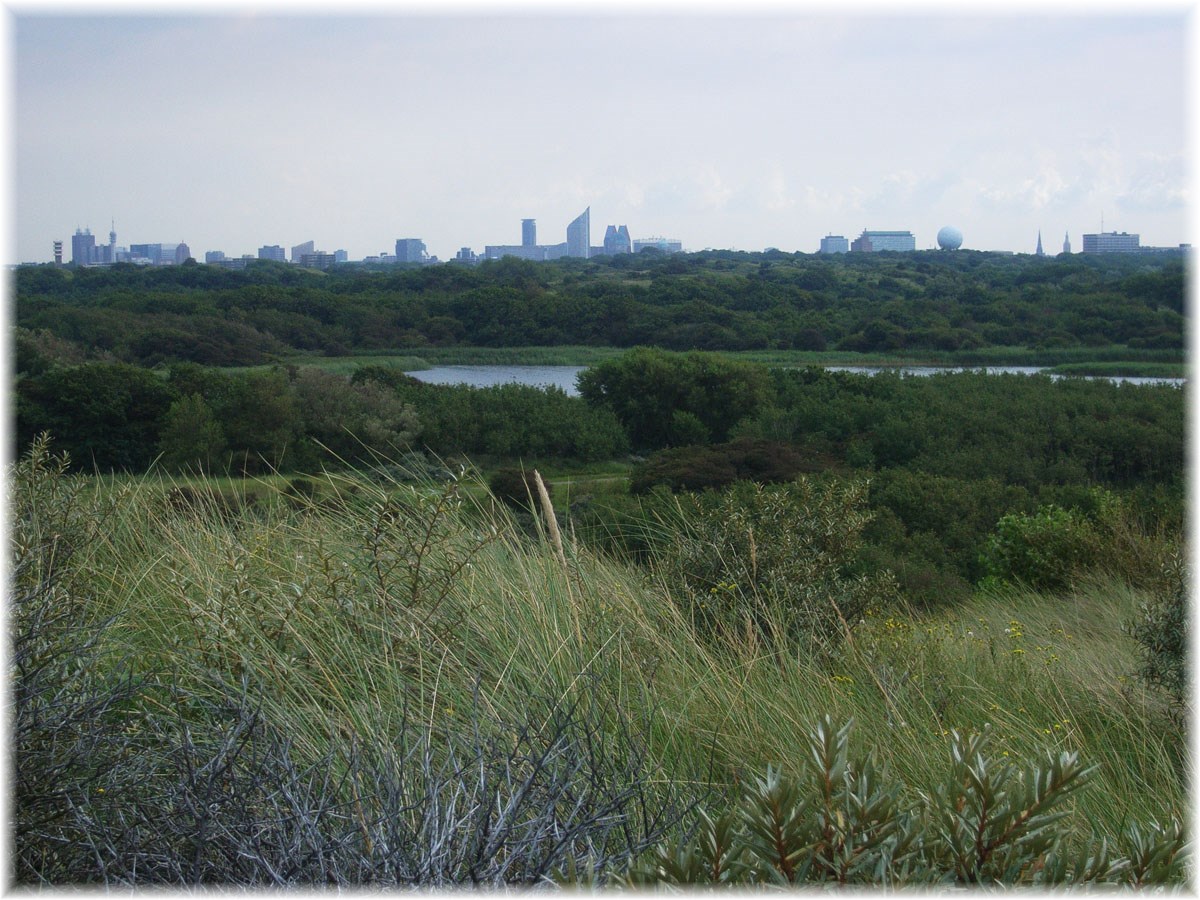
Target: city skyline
(237, 130)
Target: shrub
(1045, 550)
(516, 487)
(1161, 631)
(990, 821)
(773, 561)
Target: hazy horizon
(229, 131)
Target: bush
(990, 822)
(773, 561)
(516, 488)
(1162, 633)
(1044, 551)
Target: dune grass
(375, 601)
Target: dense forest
(717, 300)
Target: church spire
(1040, 251)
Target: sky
(734, 127)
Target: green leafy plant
(990, 821)
(1044, 550)
(773, 561)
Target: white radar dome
(949, 238)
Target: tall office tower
(410, 250)
(341, 256)
(616, 240)
(83, 247)
(1066, 242)
(579, 235)
(1039, 251)
(300, 249)
(834, 243)
(58, 253)
(274, 251)
(214, 256)
(182, 253)
(529, 232)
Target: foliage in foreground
(290, 719)
(127, 777)
(991, 821)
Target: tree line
(716, 300)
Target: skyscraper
(616, 240)
(1066, 242)
(834, 243)
(579, 235)
(83, 247)
(529, 232)
(274, 251)
(410, 250)
(300, 249)
(1039, 251)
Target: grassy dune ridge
(384, 600)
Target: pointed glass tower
(1066, 242)
(1039, 251)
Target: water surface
(564, 376)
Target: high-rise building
(616, 240)
(529, 232)
(467, 255)
(341, 256)
(410, 250)
(300, 249)
(1066, 242)
(579, 235)
(1111, 242)
(58, 253)
(834, 243)
(83, 247)
(876, 241)
(1039, 251)
(274, 252)
(213, 256)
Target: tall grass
(373, 604)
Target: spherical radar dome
(949, 238)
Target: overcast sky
(233, 130)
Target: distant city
(85, 251)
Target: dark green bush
(517, 488)
(1044, 551)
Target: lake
(564, 376)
